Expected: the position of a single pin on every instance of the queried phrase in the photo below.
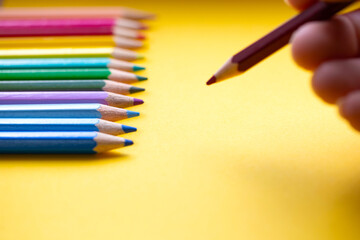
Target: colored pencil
(69, 85)
(70, 73)
(119, 53)
(81, 110)
(275, 40)
(44, 63)
(73, 12)
(64, 27)
(59, 142)
(70, 41)
(111, 99)
(63, 125)
(44, 25)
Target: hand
(332, 50)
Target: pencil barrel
(48, 125)
(47, 142)
(56, 74)
(63, 75)
(41, 63)
(53, 85)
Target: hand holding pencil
(330, 49)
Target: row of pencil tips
(65, 74)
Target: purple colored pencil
(106, 98)
(275, 40)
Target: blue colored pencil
(79, 110)
(63, 125)
(100, 62)
(59, 142)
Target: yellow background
(257, 157)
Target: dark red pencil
(275, 40)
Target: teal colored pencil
(70, 73)
(45, 63)
(59, 142)
(69, 85)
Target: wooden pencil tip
(212, 80)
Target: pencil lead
(141, 36)
(138, 68)
(131, 114)
(143, 26)
(128, 129)
(136, 89)
(139, 56)
(140, 78)
(211, 81)
(128, 142)
(138, 101)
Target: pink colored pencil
(73, 12)
(61, 27)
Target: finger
(303, 4)
(300, 4)
(349, 108)
(317, 42)
(335, 79)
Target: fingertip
(349, 106)
(304, 46)
(326, 82)
(287, 2)
(300, 4)
(316, 42)
(349, 109)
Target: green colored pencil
(69, 85)
(70, 73)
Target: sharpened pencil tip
(131, 114)
(144, 26)
(141, 78)
(136, 89)
(128, 142)
(211, 81)
(138, 68)
(141, 36)
(128, 129)
(138, 101)
(139, 56)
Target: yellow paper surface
(256, 157)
